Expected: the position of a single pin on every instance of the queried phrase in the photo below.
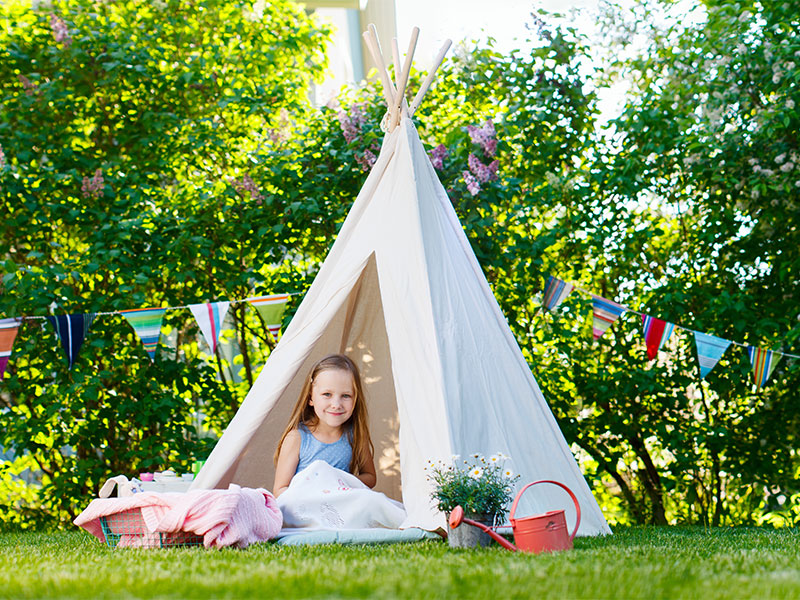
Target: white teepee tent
(402, 294)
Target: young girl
(329, 422)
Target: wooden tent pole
(402, 80)
(371, 37)
(429, 79)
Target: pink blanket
(233, 517)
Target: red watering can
(538, 533)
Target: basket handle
(561, 485)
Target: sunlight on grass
(633, 563)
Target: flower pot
(467, 536)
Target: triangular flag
(604, 313)
(656, 333)
(146, 322)
(710, 349)
(764, 362)
(271, 310)
(555, 292)
(209, 318)
(8, 333)
(71, 330)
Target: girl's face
(333, 397)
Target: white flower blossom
(476, 473)
(780, 158)
(787, 167)
(508, 473)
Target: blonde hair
(357, 426)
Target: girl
(329, 422)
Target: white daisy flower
(476, 473)
(508, 473)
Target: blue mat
(355, 536)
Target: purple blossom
(366, 160)
(60, 31)
(483, 172)
(246, 185)
(30, 88)
(352, 122)
(473, 187)
(438, 155)
(484, 137)
(93, 188)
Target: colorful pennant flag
(764, 362)
(271, 310)
(209, 318)
(555, 292)
(71, 330)
(604, 313)
(656, 333)
(146, 322)
(8, 333)
(710, 349)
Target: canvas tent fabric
(401, 292)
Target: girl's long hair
(357, 426)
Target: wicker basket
(127, 529)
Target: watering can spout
(539, 533)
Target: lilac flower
(473, 187)
(93, 188)
(30, 88)
(352, 122)
(366, 160)
(483, 172)
(484, 137)
(60, 31)
(438, 155)
(246, 185)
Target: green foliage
(132, 133)
(479, 485)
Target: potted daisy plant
(483, 487)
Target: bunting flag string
(71, 330)
(710, 349)
(764, 362)
(604, 313)
(146, 322)
(209, 317)
(555, 292)
(8, 333)
(656, 334)
(271, 310)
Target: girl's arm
(287, 462)
(367, 474)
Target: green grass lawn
(633, 563)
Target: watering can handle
(561, 485)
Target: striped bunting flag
(71, 330)
(271, 310)
(710, 349)
(209, 317)
(555, 292)
(604, 313)
(8, 333)
(146, 322)
(764, 362)
(656, 333)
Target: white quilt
(323, 497)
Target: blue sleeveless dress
(336, 454)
